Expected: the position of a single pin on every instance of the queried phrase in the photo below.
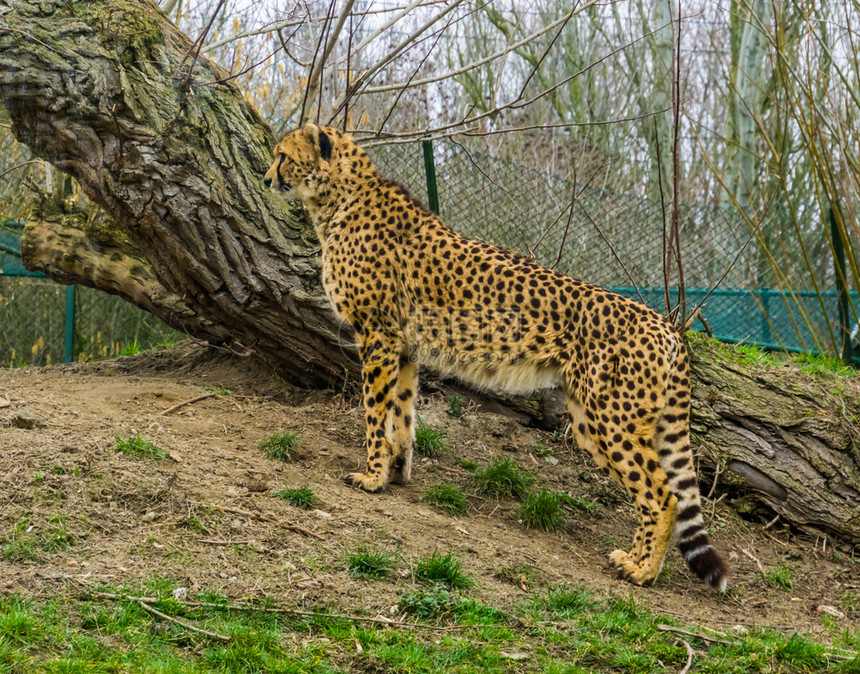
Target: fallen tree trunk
(791, 438)
(175, 155)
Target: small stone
(322, 514)
(149, 517)
(830, 610)
(26, 423)
(515, 656)
(72, 562)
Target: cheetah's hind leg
(400, 425)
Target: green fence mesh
(617, 241)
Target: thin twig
(666, 257)
(689, 657)
(676, 172)
(703, 637)
(716, 476)
(185, 402)
(35, 39)
(188, 626)
(613, 251)
(17, 166)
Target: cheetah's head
(302, 161)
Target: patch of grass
(444, 569)
(467, 465)
(542, 510)
(138, 448)
(301, 497)
(429, 602)
(58, 539)
(542, 450)
(194, 523)
(430, 442)
(25, 545)
(752, 355)
(370, 562)
(520, 576)
(447, 498)
(438, 602)
(850, 601)
(130, 349)
(455, 405)
(503, 477)
(217, 390)
(565, 602)
(582, 502)
(280, 445)
(168, 341)
(821, 366)
(779, 577)
(21, 545)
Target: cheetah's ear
(319, 139)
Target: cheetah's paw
(368, 481)
(628, 569)
(622, 561)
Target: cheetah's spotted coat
(415, 291)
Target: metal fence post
(842, 298)
(430, 174)
(69, 340)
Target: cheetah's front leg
(379, 371)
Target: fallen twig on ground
(186, 402)
(182, 623)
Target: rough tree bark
(110, 93)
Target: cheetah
(415, 292)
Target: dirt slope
(128, 519)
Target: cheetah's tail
(676, 458)
(695, 545)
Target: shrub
(280, 445)
(447, 498)
(503, 477)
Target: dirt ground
(206, 518)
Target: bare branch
(477, 64)
(316, 73)
(409, 40)
(289, 23)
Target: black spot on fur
(325, 147)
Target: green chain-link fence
(616, 241)
(42, 322)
